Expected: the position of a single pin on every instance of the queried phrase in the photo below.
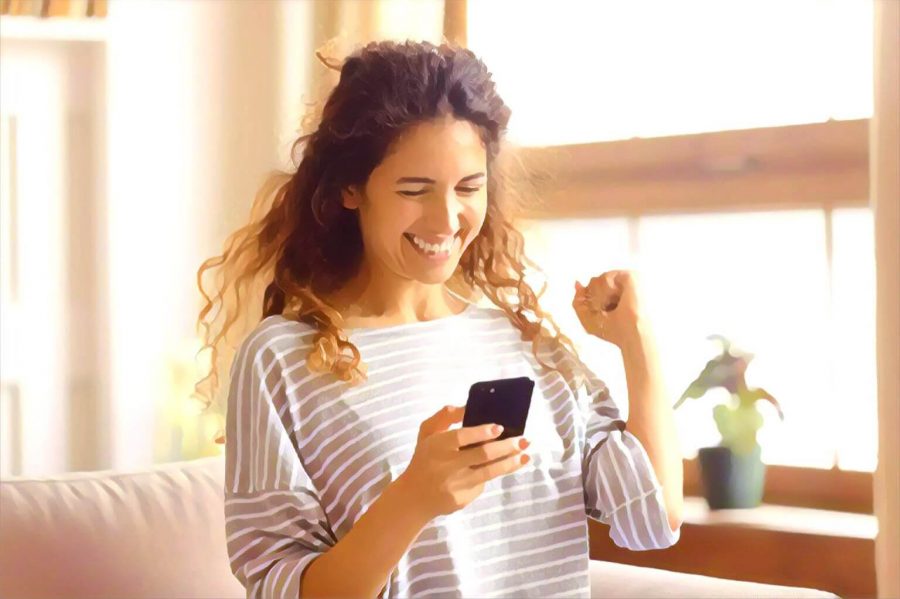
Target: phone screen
(502, 401)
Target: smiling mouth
(439, 255)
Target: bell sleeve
(275, 524)
(621, 488)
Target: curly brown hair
(302, 244)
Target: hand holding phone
(501, 401)
(441, 479)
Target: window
(853, 306)
(51, 377)
(694, 65)
(764, 281)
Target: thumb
(441, 420)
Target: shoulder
(557, 354)
(275, 337)
(565, 360)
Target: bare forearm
(361, 562)
(651, 418)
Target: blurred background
(719, 148)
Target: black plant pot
(731, 480)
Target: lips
(409, 236)
(421, 252)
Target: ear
(351, 198)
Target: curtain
(343, 25)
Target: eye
(422, 192)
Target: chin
(437, 276)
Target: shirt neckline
(470, 307)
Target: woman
(345, 475)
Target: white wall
(197, 114)
(34, 96)
(189, 105)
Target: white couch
(159, 533)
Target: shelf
(62, 29)
(769, 544)
(784, 519)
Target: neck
(386, 298)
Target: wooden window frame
(808, 166)
(818, 165)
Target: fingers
(471, 435)
(601, 294)
(500, 467)
(488, 453)
(589, 317)
(582, 301)
(440, 421)
(581, 297)
(590, 295)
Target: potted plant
(185, 430)
(732, 472)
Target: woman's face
(426, 201)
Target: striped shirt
(307, 454)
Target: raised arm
(620, 484)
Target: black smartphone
(502, 401)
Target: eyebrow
(427, 180)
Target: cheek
(385, 226)
(475, 215)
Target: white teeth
(433, 248)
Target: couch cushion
(158, 532)
(620, 581)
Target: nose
(445, 214)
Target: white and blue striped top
(306, 454)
